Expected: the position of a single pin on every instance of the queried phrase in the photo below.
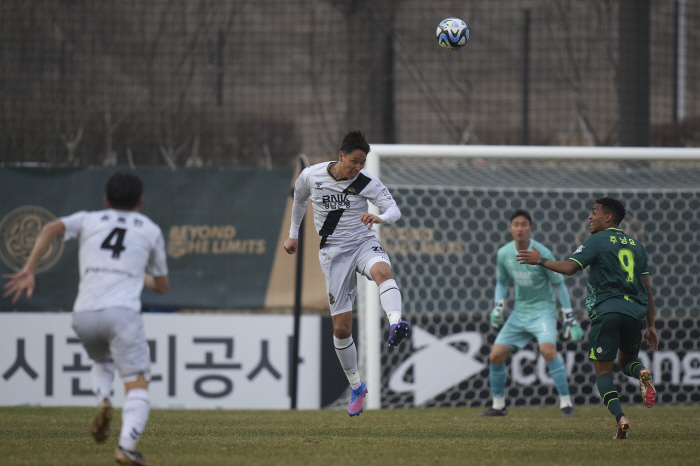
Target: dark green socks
(608, 392)
(633, 369)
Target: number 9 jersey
(117, 248)
(615, 283)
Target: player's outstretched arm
(534, 257)
(24, 279)
(650, 336)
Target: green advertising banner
(221, 227)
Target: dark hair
(352, 141)
(614, 207)
(123, 190)
(520, 213)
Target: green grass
(664, 435)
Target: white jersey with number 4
(117, 248)
(339, 204)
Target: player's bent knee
(499, 354)
(342, 324)
(380, 271)
(548, 351)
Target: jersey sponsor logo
(335, 201)
(18, 231)
(579, 249)
(522, 278)
(210, 239)
(90, 270)
(319, 185)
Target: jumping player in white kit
(339, 192)
(120, 251)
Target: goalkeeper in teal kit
(534, 315)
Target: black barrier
(445, 363)
(221, 227)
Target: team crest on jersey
(18, 230)
(331, 298)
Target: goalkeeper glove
(496, 316)
(571, 326)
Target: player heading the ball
(340, 191)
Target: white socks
(134, 418)
(102, 378)
(347, 354)
(499, 402)
(565, 401)
(390, 297)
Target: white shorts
(115, 335)
(340, 265)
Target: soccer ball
(452, 33)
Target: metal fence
(214, 82)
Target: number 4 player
(618, 299)
(120, 251)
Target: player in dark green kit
(618, 299)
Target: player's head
(607, 212)
(353, 155)
(520, 225)
(123, 191)
(353, 141)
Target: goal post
(457, 197)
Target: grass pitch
(664, 435)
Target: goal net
(455, 203)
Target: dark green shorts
(613, 331)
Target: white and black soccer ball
(452, 33)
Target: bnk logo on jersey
(336, 201)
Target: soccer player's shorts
(115, 335)
(612, 331)
(517, 331)
(340, 265)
